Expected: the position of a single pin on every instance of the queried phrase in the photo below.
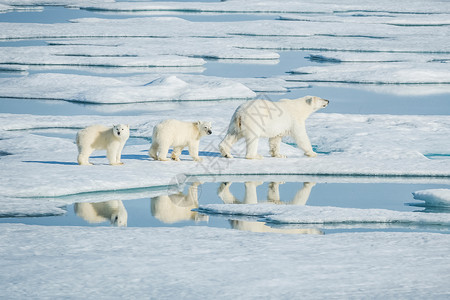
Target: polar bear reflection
(178, 207)
(273, 195)
(98, 212)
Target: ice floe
(132, 89)
(255, 6)
(435, 197)
(348, 145)
(295, 214)
(379, 49)
(393, 73)
(61, 56)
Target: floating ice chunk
(382, 57)
(388, 73)
(4, 8)
(68, 56)
(321, 215)
(144, 88)
(257, 6)
(434, 197)
(53, 2)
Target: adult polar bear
(273, 120)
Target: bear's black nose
(209, 131)
(118, 132)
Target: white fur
(273, 196)
(99, 137)
(177, 207)
(177, 134)
(98, 212)
(273, 120)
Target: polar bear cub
(97, 212)
(177, 134)
(99, 137)
(273, 120)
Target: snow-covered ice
(435, 197)
(349, 145)
(200, 262)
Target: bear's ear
(128, 126)
(309, 100)
(199, 122)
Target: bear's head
(121, 131)
(204, 128)
(119, 218)
(316, 103)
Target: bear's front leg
(302, 140)
(111, 154)
(193, 151)
(119, 154)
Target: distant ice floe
(109, 90)
(374, 44)
(52, 2)
(433, 197)
(5, 8)
(393, 73)
(61, 56)
(324, 215)
(256, 6)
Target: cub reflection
(178, 207)
(98, 212)
(273, 195)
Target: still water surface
(178, 208)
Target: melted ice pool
(180, 207)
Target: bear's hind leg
(252, 148)
(274, 145)
(83, 156)
(226, 144)
(162, 152)
(152, 152)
